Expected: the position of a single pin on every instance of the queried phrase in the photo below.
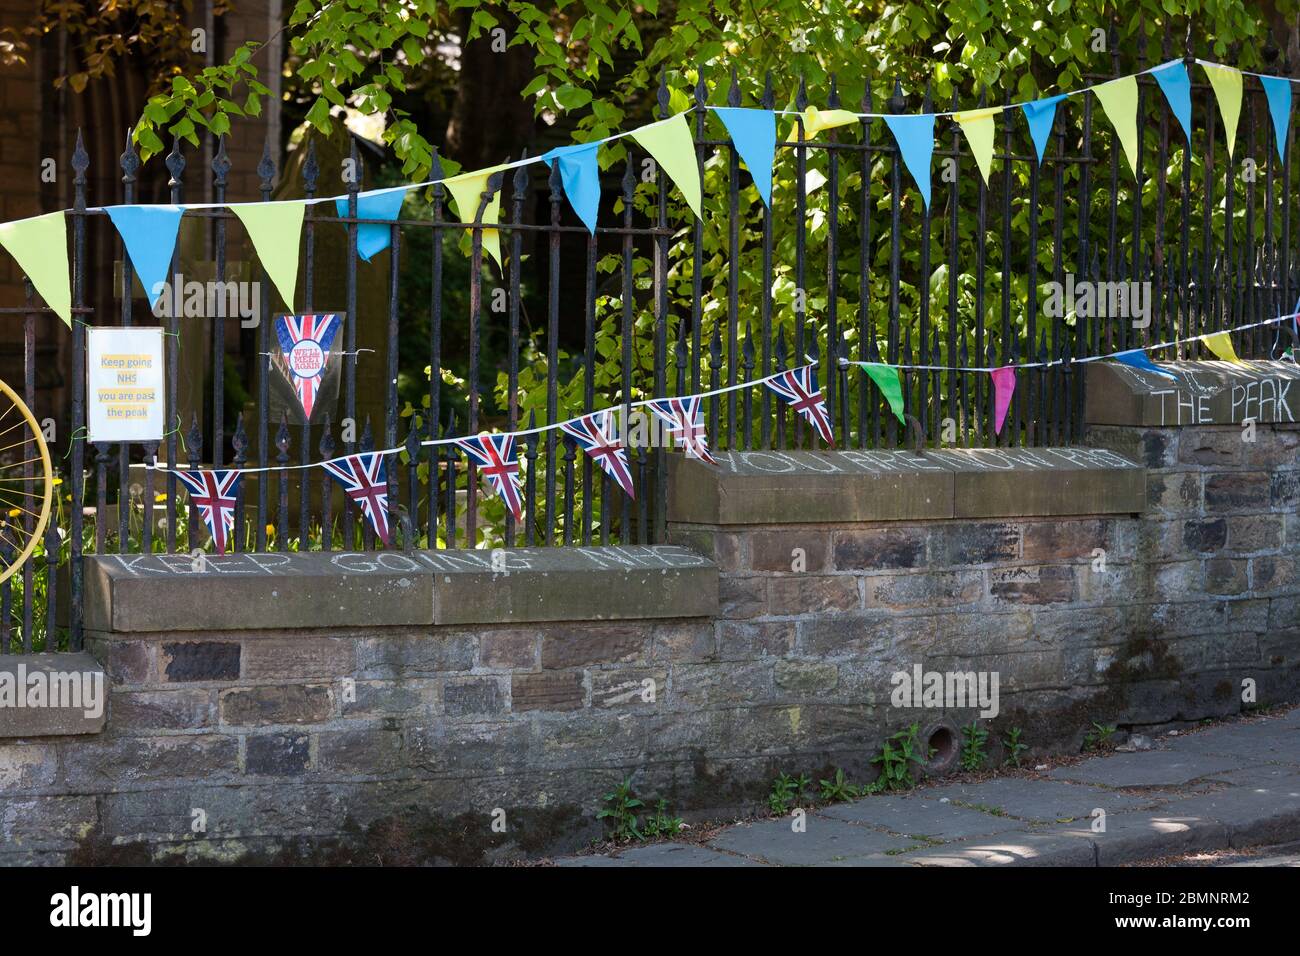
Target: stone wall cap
(265, 591)
(1200, 393)
(801, 487)
(48, 695)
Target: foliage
(838, 789)
(620, 813)
(898, 756)
(973, 753)
(1014, 747)
(1101, 737)
(661, 823)
(787, 791)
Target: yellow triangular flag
(978, 127)
(669, 142)
(1227, 91)
(40, 246)
(467, 191)
(275, 229)
(1220, 343)
(1119, 98)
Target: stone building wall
(391, 706)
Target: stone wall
(392, 706)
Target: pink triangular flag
(1004, 386)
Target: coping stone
(1203, 393)
(271, 591)
(813, 487)
(18, 672)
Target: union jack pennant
(214, 494)
(497, 459)
(685, 420)
(799, 387)
(597, 435)
(305, 341)
(364, 481)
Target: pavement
(1229, 786)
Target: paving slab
(1253, 815)
(1142, 835)
(661, 855)
(1149, 768)
(1026, 798)
(1271, 742)
(824, 841)
(1055, 847)
(921, 816)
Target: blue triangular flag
(1177, 87)
(580, 173)
(372, 237)
(149, 234)
(1278, 91)
(915, 136)
(1041, 114)
(1137, 358)
(754, 134)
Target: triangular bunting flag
(1004, 386)
(753, 132)
(816, 121)
(672, 147)
(978, 127)
(915, 136)
(467, 190)
(373, 238)
(799, 387)
(364, 480)
(890, 382)
(498, 462)
(685, 420)
(275, 229)
(1041, 114)
(597, 434)
(305, 341)
(1177, 86)
(214, 494)
(580, 173)
(1227, 91)
(1220, 343)
(149, 234)
(1119, 98)
(40, 246)
(1278, 91)
(1137, 358)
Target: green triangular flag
(1227, 90)
(40, 246)
(275, 229)
(1119, 98)
(669, 142)
(467, 192)
(890, 382)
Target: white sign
(124, 384)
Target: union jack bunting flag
(799, 387)
(364, 481)
(685, 420)
(596, 433)
(497, 459)
(305, 341)
(214, 494)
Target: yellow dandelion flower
(57, 481)
(14, 512)
(270, 529)
(160, 497)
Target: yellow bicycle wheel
(26, 482)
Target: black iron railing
(665, 304)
